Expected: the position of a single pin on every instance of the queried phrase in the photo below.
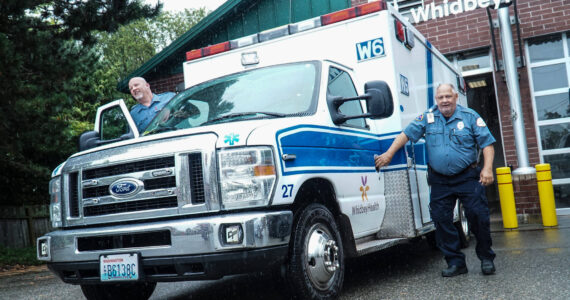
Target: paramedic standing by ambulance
(452, 133)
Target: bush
(18, 256)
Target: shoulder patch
(480, 122)
(420, 117)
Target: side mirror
(380, 103)
(88, 140)
(378, 98)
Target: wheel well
(319, 190)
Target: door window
(113, 124)
(340, 84)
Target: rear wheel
(139, 290)
(316, 262)
(463, 228)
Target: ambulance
(265, 162)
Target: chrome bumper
(187, 237)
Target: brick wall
(471, 30)
(166, 84)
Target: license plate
(119, 267)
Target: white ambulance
(265, 161)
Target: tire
(140, 290)
(316, 257)
(463, 228)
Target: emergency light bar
(270, 34)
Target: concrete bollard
(507, 198)
(546, 195)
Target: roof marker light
(338, 16)
(215, 49)
(244, 41)
(305, 25)
(249, 58)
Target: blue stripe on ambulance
(320, 149)
(429, 75)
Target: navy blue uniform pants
(445, 190)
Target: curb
(563, 223)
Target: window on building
(404, 6)
(340, 84)
(472, 62)
(548, 63)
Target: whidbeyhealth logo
(431, 11)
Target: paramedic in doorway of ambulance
(452, 133)
(148, 105)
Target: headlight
(247, 176)
(55, 201)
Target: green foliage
(46, 84)
(133, 44)
(21, 256)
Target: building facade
(467, 32)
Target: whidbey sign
(447, 8)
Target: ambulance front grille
(157, 186)
(130, 206)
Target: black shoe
(454, 270)
(487, 267)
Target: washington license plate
(119, 267)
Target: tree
(133, 44)
(46, 71)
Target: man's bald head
(140, 90)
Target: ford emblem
(125, 187)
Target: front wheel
(139, 290)
(316, 262)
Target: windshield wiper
(161, 129)
(243, 114)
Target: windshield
(269, 92)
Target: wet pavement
(532, 262)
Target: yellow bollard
(507, 198)
(546, 195)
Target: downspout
(524, 170)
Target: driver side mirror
(379, 103)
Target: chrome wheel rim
(321, 257)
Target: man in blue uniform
(452, 133)
(148, 105)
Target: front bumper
(179, 268)
(183, 244)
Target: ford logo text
(125, 187)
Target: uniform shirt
(451, 144)
(142, 115)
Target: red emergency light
(338, 16)
(327, 19)
(215, 49)
(371, 7)
(400, 30)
